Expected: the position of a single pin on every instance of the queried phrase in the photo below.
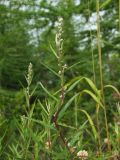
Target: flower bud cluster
(58, 38)
(29, 75)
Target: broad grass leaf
(112, 87)
(72, 84)
(96, 99)
(91, 84)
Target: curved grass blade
(105, 4)
(50, 69)
(112, 87)
(46, 91)
(76, 81)
(94, 97)
(43, 108)
(91, 123)
(53, 51)
(67, 105)
(91, 84)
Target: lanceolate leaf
(105, 4)
(53, 51)
(91, 84)
(91, 123)
(46, 66)
(114, 88)
(96, 99)
(46, 91)
(67, 105)
(72, 84)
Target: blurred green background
(27, 30)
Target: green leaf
(46, 91)
(78, 134)
(76, 81)
(67, 126)
(91, 123)
(53, 51)
(105, 4)
(112, 87)
(91, 84)
(67, 105)
(93, 96)
(75, 65)
(43, 108)
(46, 66)
(73, 85)
(40, 122)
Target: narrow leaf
(91, 123)
(112, 87)
(53, 51)
(93, 96)
(46, 66)
(105, 4)
(67, 105)
(42, 107)
(46, 91)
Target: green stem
(119, 15)
(93, 61)
(98, 128)
(101, 73)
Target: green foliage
(54, 110)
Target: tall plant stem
(119, 15)
(61, 66)
(98, 128)
(101, 72)
(93, 61)
(94, 79)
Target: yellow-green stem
(93, 61)
(98, 128)
(101, 73)
(119, 15)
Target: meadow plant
(53, 136)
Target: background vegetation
(55, 99)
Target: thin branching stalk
(62, 67)
(28, 96)
(101, 72)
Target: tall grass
(100, 66)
